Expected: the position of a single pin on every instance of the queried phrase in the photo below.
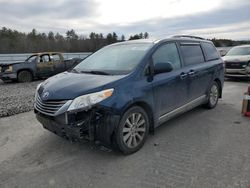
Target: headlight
(9, 69)
(37, 88)
(90, 99)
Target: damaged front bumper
(94, 124)
(8, 76)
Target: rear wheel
(132, 130)
(24, 76)
(213, 96)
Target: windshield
(31, 58)
(239, 51)
(116, 59)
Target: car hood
(67, 85)
(236, 58)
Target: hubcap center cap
(133, 129)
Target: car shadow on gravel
(7, 82)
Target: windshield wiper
(95, 72)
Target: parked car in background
(222, 52)
(237, 62)
(124, 91)
(39, 65)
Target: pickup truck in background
(39, 65)
(237, 62)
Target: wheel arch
(145, 106)
(217, 80)
(26, 69)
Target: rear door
(45, 66)
(170, 89)
(200, 72)
(59, 64)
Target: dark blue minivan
(124, 91)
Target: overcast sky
(206, 18)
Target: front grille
(48, 107)
(236, 65)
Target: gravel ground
(16, 97)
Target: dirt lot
(202, 148)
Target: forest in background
(13, 41)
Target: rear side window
(167, 53)
(210, 51)
(44, 58)
(192, 54)
(56, 57)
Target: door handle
(191, 73)
(183, 75)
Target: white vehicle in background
(237, 62)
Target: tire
(24, 76)
(131, 133)
(213, 96)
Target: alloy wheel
(214, 94)
(134, 130)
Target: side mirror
(163, 67)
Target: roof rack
(188, 36)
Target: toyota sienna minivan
(121, 93)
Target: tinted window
(210, 51)
(192, 54)
(167, 53)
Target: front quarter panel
(24, 66)
(129, 92)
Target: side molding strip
(182, 109)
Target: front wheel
(24, 76)
(213, 96)
(132, 130)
